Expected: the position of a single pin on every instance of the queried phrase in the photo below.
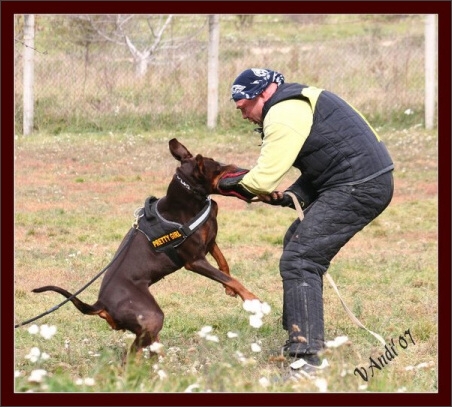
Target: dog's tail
(80, 305)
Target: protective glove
(285, 200)
(229, 186)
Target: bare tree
(118, 28)
(142, 57)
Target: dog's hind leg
(148, 335)
(139, 313)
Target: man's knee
(290, 232)
(294, 265)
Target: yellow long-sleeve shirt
(286, 127)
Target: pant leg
(310, 245)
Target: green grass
(74, 201)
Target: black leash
(86, 285)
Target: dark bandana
(253, 82)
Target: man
(346, 181)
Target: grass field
(74, 201)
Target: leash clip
(137, 216)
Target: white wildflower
(89, 381)
(37, 375)
(45, 356)
(339, 341)
(401, 390)
(17, 373)
(34, 329)
(321, 384)
(241, 357)
(259, 314)
(425, 364)
(47, 331)
(156, 347)
(162, 374)
(258, 309)
(265, 308)
(362, 387)
(255, 321)
(408, 112)
(212, 338)
(255, 347)
(204, 331)
(253, 306)
(34, 354)
(247, 361)
(264, 382)
(232, 335)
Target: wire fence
(375, 62)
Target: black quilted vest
(341, 148)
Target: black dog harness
(164, 235)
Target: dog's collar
(200, 195)
(190, 227)
(185, 184)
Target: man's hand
(279, 198)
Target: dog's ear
(178, 150)
(200, 164)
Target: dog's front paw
(230, 291)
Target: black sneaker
(290, 349)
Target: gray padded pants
(309, 246)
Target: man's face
(251, 109)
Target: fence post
(430, 70)
(212, 71)
(28, 73)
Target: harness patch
(164, 235)
(170, 238)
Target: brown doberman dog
(188, 233)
